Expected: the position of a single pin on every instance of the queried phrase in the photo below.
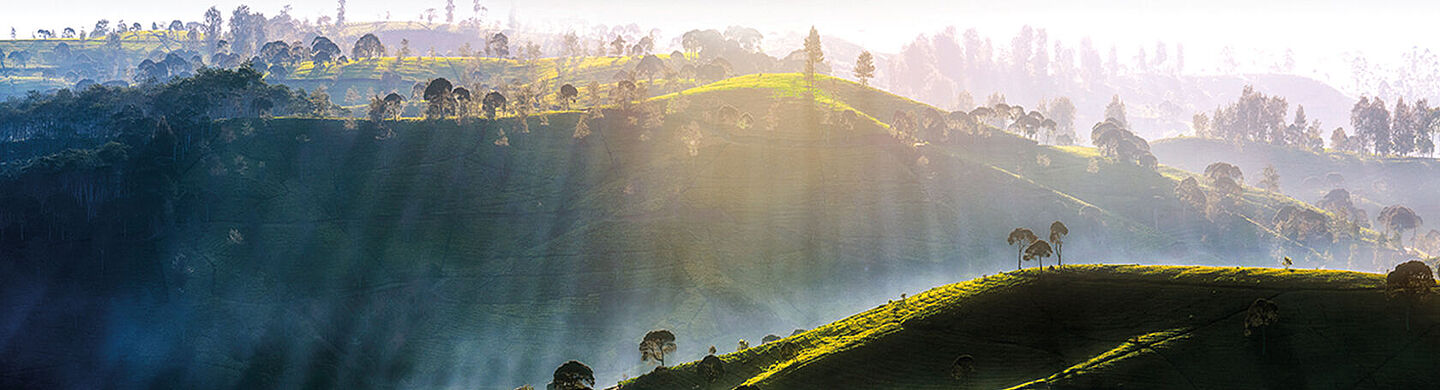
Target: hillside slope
(474, 253)
(1373, 183)
(1083, 327)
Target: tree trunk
(1018, 256)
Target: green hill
(1083, 327)
(1373, 182)
(473, 253)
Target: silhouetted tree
(1038, 250)
(656, 344)
(1259, 317)
(568, 94)
(394, 103)
(617, 46)
(367, 46)
(769, 338)
(1411, 281)
(711, 367)
(573, 375)
(492, 102)
(865, 67)
(1223, 170)
(498, 46)
(1338, 201)
(438, 93)
(1058, 231)
(1117, 142)
(1398, 219)
(1021, 238)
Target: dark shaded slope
(1106, 327)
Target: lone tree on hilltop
(865, 67)
(1259, 317)
(1038, 250)
(1411, 281)
(1021, 238)
(1058, 231)
(573, 375)
(656, 344)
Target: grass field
(1104, 327)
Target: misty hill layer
(1092, 327)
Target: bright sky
(1318, 30)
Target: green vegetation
(673, 212)
(1088, 326)
(1366, 185)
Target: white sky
(1318, 31)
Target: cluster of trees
(1255, 117)
(1408, 130)
(99, 113)
(1221, 203)
(1115, 140)
(1031, 247)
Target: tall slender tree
(1058, 231)
(865, 67)
(814, 55)
(1021, 238)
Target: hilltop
(481, 253)
(1080, 327)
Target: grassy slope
(1375, 182)
(503, 245)
(457, 262)
(1105, 327)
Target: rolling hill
(482, 253)
(1092, 327)
(1373, 182)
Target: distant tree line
(1255, 117)
(1405, 130)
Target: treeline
(1407, 130)
(1256, 117)
(97, 113)
(954, 64)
